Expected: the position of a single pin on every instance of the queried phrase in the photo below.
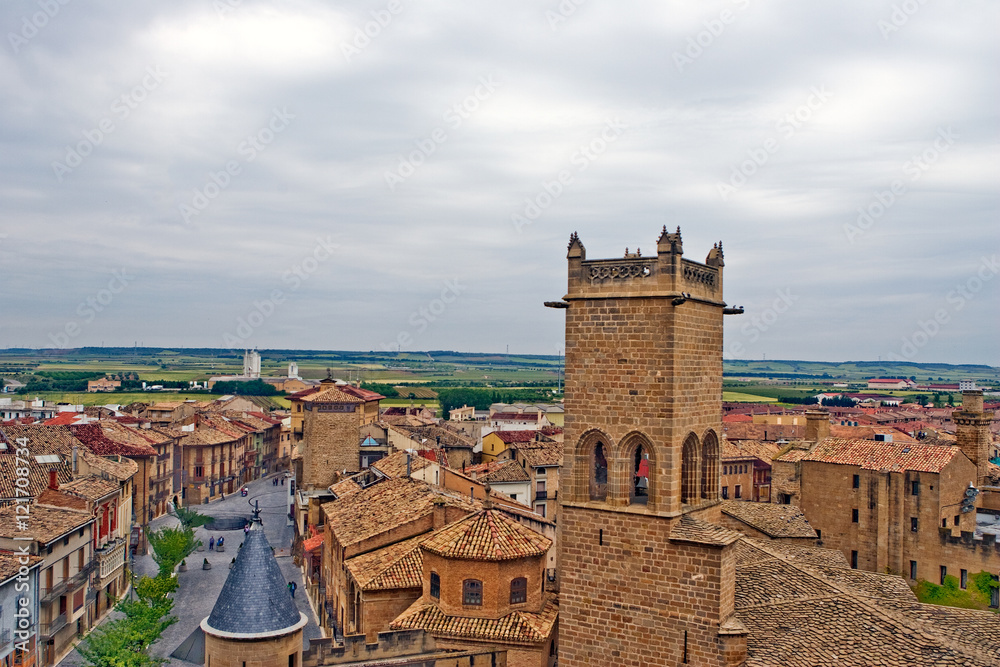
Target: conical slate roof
(255, 598)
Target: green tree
(171, 546)
(190, 518)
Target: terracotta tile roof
(884, 456)
(313, 542)
(514, 417)
(510, 437)
(498, 472)
(519, 627)
(772, 520)
(331, 395)
(10, 563)
(741, 449)
(394, 465)
(384, 506)
(91, 488)
(801, 612)
(363, 394)
(690, 529)
(396, 566)
(487, 535)
(111, 438)
(434, 436)
(792, 455)
(44, 523)
(763, 431)
(59, 498)
(542, 453)
(345, 487)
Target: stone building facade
(645, 578)
(331, 423)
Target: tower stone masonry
(646, 578)
(972, 431)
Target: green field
(737, 397)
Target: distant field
(123, 398)
(428, 403)
(423, 393)
(737, 397)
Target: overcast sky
(384, 173)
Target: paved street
(199, 588)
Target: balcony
(48, 630)
(161, 478)
(110, 558)
(541, 495)
(74, 582)
(4, 638)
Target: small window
(819, 534)
(944, 573)
(784, 499)
(856, 482)
(519, 590)
(435, 585)
(956, 519)
(913, 524)
(725, 492)
(963, 578)
(913, 569)
(737, 491)
(472, 592)
(854, 559)
(854, 516)
(944, 523)
(915, 488)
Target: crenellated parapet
(665, 274)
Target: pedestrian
(223, 494)
(282, 481)
(211, 543)
(292, 587)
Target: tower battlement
(666, 273)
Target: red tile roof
(884, 456)
(487, 535)
(363, 394)
(519, 627)
(509, 437)
(93, 436)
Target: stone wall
(271, 652)
(330, 444)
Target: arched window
(640, 476)
(472, 592)
(710, 467)
(690, 470)
(599, 476)
(435, 585)
(519, 590)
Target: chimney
(409, 467)
(817, 425)
(53, 482)
(76, 468)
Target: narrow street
(199, 588)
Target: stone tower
(254, 621)
(972, 431)
(646, 578)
